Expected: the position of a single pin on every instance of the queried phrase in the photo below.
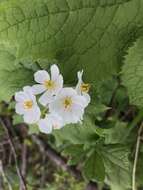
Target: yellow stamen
(28, 104)
(85, 87)
(49, 84)
(67, 102)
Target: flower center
(67, 102)
(85, 87)
(49, 84)
(28, 104)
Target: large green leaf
(88, 34)
(132, 73)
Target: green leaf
(117, 165)
(79, 34)
(13, 76)
(132, 73)
(94, 168)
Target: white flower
(50, 122)
(69, 105)
(26, 105)
(83, 88)
(49, 85)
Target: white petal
(80, 100)
(54, 72)
(55, 106)
(75, 118)
(67, 117)
(46, 98)
(38, 88)
(87, 98)
(27, 89)
(32, 116)
(59, 84)
(45, 126)
(19, 109)
(56, 120)
(76, 114)
(70, 117)
(79, 75)
(78, 89)
(29, 92)
(41, 76)
(67, 92)
(78, 111)
(20, 96)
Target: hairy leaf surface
(80, 34)
(132, 73)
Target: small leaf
(33, 129)
(17, 119)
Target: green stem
(136, 157)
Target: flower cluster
(60, 105)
